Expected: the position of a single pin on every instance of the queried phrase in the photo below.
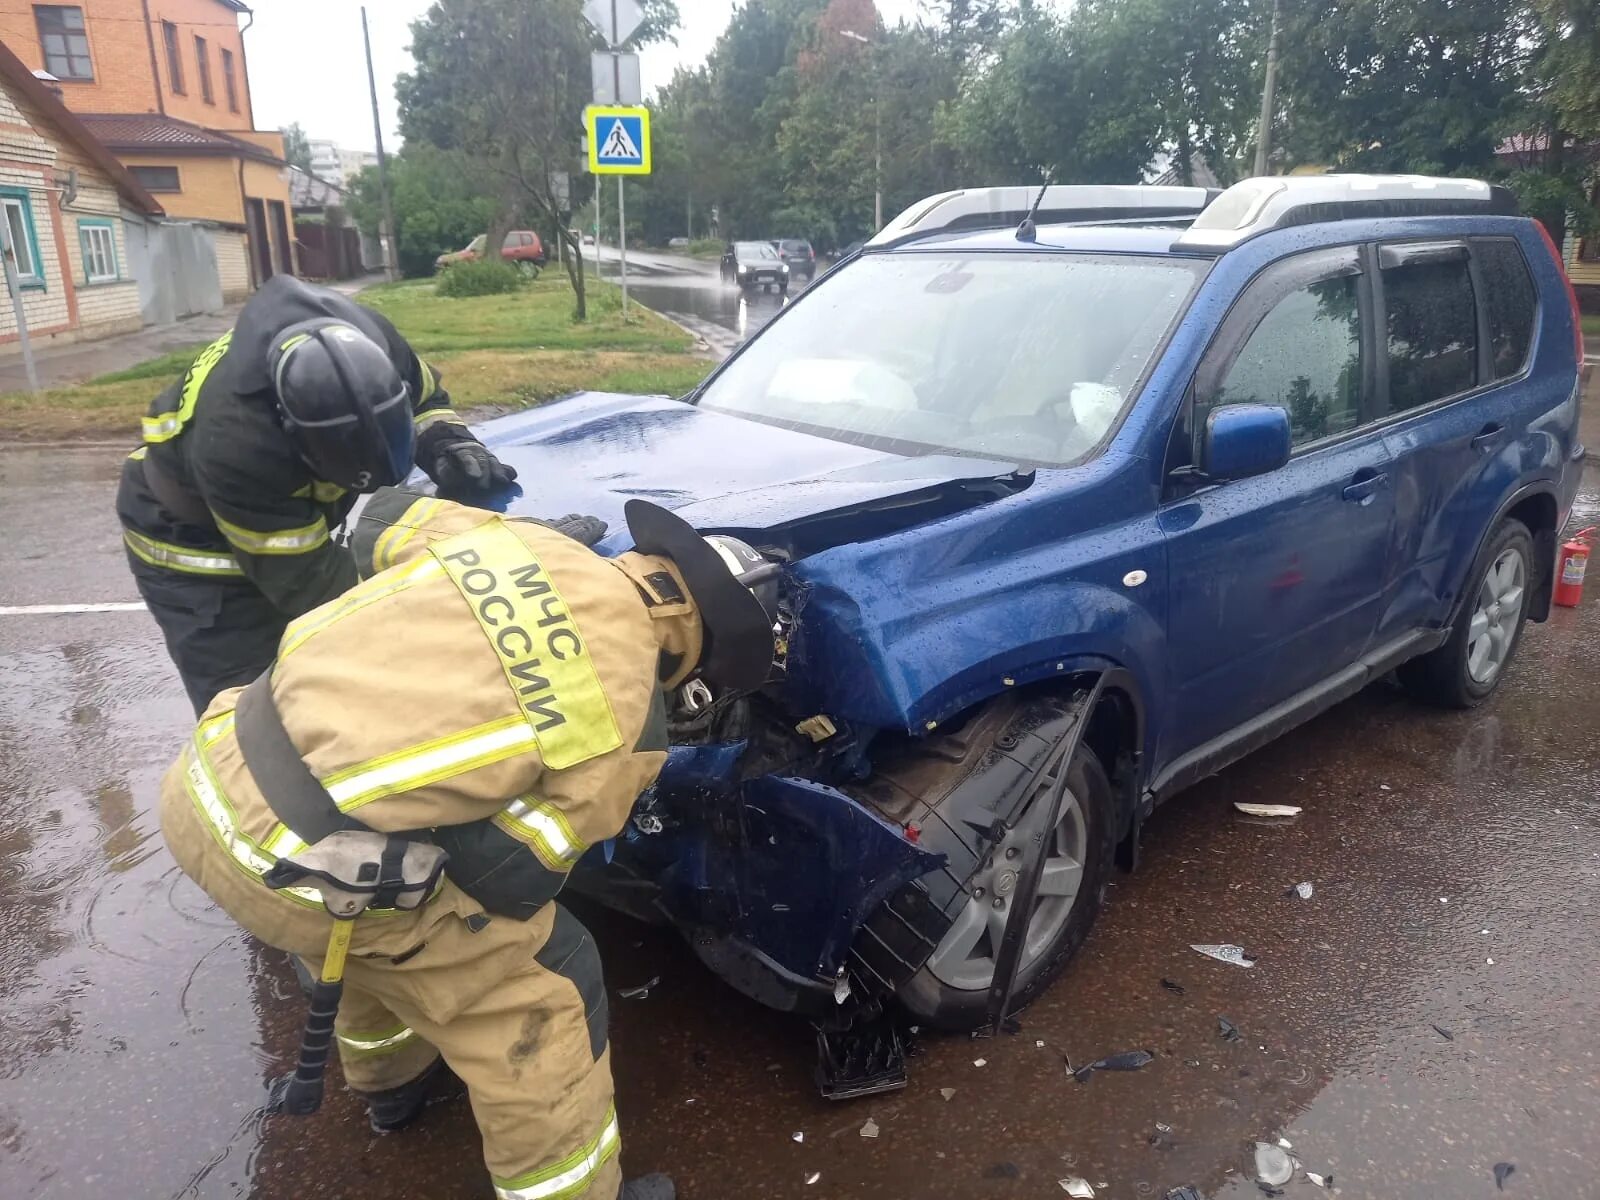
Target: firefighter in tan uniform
(496, 688)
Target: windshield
(1003, 355)
(755, 250)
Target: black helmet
(734, 588)
(343, 403)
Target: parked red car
(522, 248)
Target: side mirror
(1242, 440)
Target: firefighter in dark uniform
(253, 458)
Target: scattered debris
(841, 990)
(640, 992)
(1172, 986)
(1230, 1031)
(1130, 1060)
(1074, 1185)
(1384, 787)
(1444, 899)
(1273, 1164)
(1443, 1032)
(799, 1137)
(1227, 953)
(1303, 890)
(870, 1129)
(1039, 1042)
(1322, 1181)
(813, 1177)
(1267, 810)
(1490, 961)
(947, 1093)
(1164, 1128)
(1502, 1172)
(1183, 1193)
(980, 1062)
(1286, 1143)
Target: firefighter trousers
(220, 633)
(532, 1051)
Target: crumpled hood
(595, 451)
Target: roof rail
(999, 207)
(1255, 206)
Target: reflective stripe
(377, 1043)
(322, 493)
(434, 416)
(163, 427)
(418, 766)
(282, 842)
(303, 629)
(213, 805)
(544, 826)
(568, 1177)
(180, 558)
(279, 541)
(138, 455)
(536, 639)
(430, 382)
(390, 542)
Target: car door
(1455, 319)
(1276, 580)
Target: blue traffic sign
(619, 140)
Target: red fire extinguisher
(1570, 565)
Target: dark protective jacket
(225, 492)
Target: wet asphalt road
(138, 1027)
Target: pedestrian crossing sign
(619, 140)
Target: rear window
(1510, 302)
(1432, 323)
(1029, 357)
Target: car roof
(1140, 238)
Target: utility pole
(1268, 88)
(877, 126)
(14, 285)
(391, 256)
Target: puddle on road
(717, 311)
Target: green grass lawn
(1591, 330)
(496, 353)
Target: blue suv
(1076, 506)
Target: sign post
(619, 144)
(619, 130)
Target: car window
(1510, 301)
(1431, 323)
(756, 250)
(1305, 356)
(476, 244)
(1022, 356)
(513, 240)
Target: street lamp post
(877, 134)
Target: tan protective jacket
(495, 683)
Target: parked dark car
(797, 252)
(754, 264)
(1068, 521)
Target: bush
(706, 248)
(480, 277)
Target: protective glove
(467, 466)
(586, 531)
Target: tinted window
(1509, 297)
(1432, 330)
(157, 179)
(1306, 356)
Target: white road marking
(36, 610)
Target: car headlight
(784, 267)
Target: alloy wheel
(1496, 616)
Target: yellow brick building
(165, 84)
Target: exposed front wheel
(1466, 669)
(951, 991)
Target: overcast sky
(306, 61)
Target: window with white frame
(19, 222)
(99, 251)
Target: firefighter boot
(648, 1187)
(394, 1108)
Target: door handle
(1365, 486)
(1488, 436)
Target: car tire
(932, 998)
(1465, 670)
(783, 289)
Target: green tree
(505, 82)
(442, 200)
